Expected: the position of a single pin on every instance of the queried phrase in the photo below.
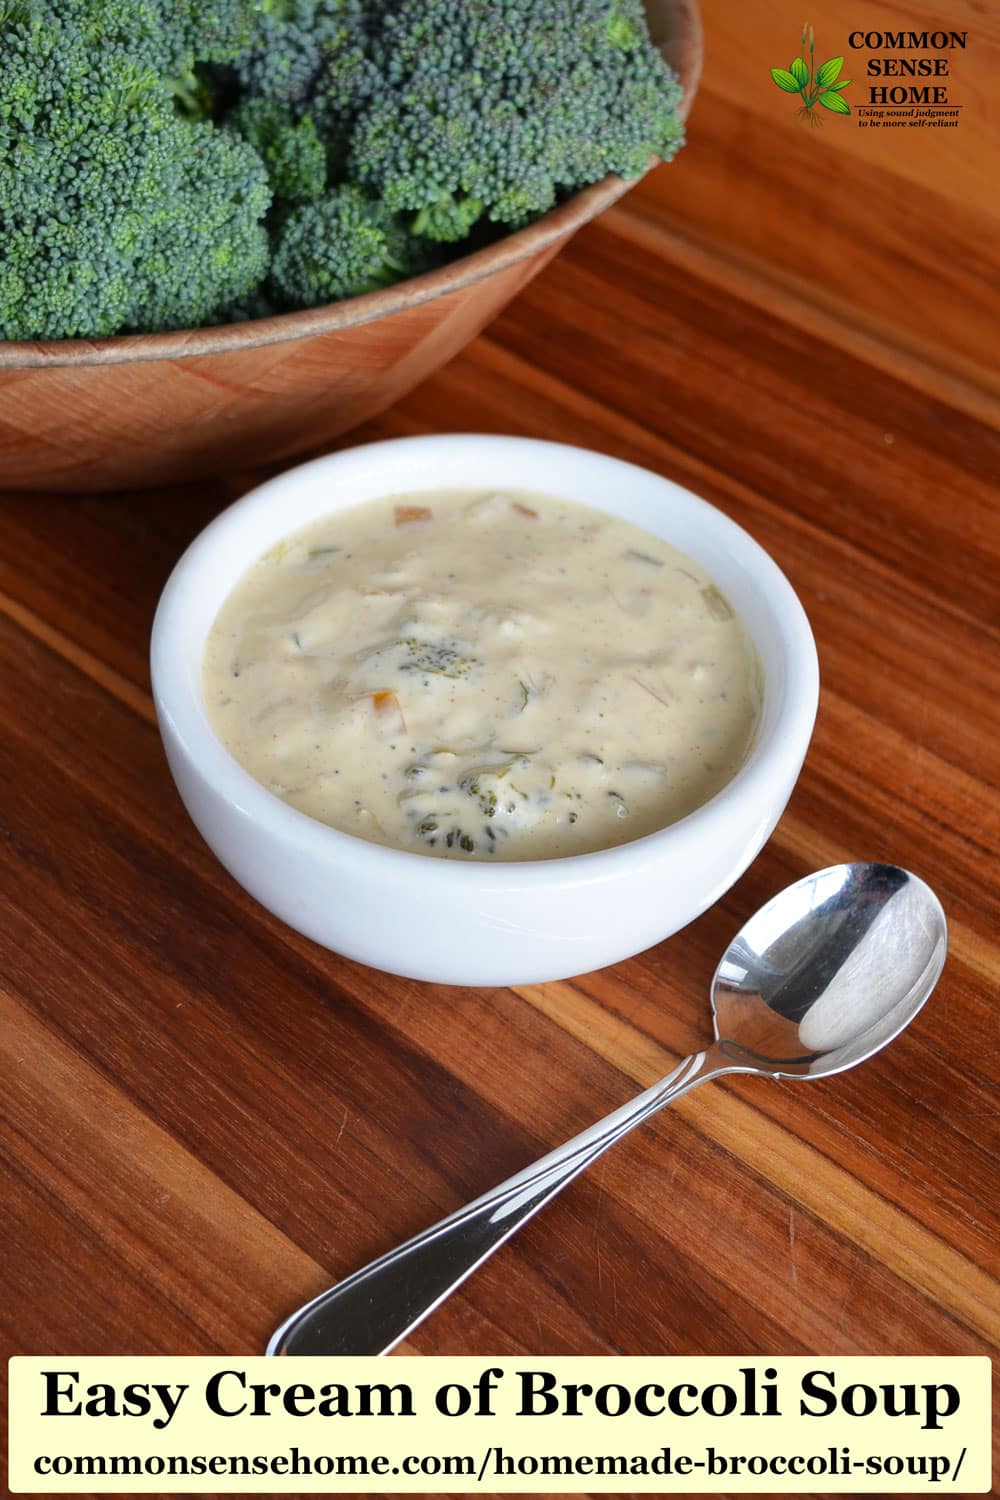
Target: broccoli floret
(170, 36)
(495, 107)
(312, 57)
(213, 31)
(283, 59)
(342, 246)
(461, 802)
(194, 39)
(291, 149)
(115, 214)
(448, 218)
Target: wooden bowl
(154, 409)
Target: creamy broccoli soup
(483, 675)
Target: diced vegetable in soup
(492, 676)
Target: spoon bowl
(828, 971)
(821, 978)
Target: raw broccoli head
(115, 214)
(497, 106)
(342, 246)
(167, 163)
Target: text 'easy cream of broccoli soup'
(483, 675)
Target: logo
(822, 85)
(918, 66)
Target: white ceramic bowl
(457, 921)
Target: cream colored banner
(545, 1425)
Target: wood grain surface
(893, 230)
(207, 1118)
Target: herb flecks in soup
(483, 675)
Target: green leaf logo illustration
(829, 72)
(822, 85)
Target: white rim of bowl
(778, 750)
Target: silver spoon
(823, 976)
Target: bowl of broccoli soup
(482, 710)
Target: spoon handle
(370, 1311)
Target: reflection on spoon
(823, 976)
